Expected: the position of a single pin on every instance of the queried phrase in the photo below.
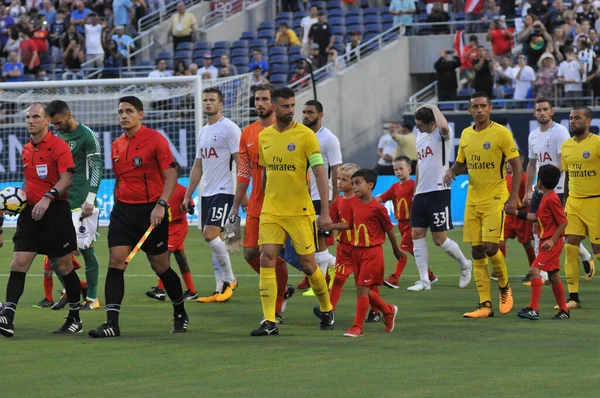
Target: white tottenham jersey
(332, 156)
(545, 147)
(433, 154)
(216, 144)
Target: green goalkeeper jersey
(88, 164)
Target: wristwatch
(163, 203)
(52, 194)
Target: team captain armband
(315, 159)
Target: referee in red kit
(145, 178)
(44, 226)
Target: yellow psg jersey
(485, 153)
(581, 161)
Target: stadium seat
(371, 11)
(339, 47)
(385, 18)
(185, 46)
(354, 12)
(369, 36)
(353, 20)
(294, 58)
(300, 14)
(336, 21)
(240, 60)
(277, 51)
(222, 44)
(260, 43)
(217, 52)
(465, 93)
(278, 59)
(165, 55)
(248, 35)
(278, 79)
(271, 42)
(294, 50)
(216, 61)
(240, 52)
(239, 44)
(460, 16)
(338, 30)
(145, 63)
(289, 22)
(297, 20)
(322, 5)
(47, 67)
(509, 92)
(285, 15)
(266, 34)
(333, 5)
(279, 68)
(183, 54)
(336, 12)
(198, 61)
(421, 17)
(387, 26)
(446, 107)
(266, 25)
(372, 28)
(371, 19)
(354, 28)
(202, 44)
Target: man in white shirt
(93, 41)
(218, 143)
(545, 145)
(570, 72)
(523, 75)
(386, 149)
(312, 116)
(160, 95)
(308, 21)
(208, 67)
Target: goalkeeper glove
(233, 234)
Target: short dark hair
(26, 32)
(480, 94)
(265, 87)
(316, 104)
(474, 38)
(544, 99)
(549, 175)
(283, 24)
(282, 92)
(425, 115)
(569, 50)
(134, 101)
(213, 90)
(92, 14)
(403, 158)
(57, 107)
(368, 174)
(586, 111)
(257, 50)
(160, 59)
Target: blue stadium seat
(185, 46)
(217, 52)
(354, 12)
(285, 15)
(278, 79)
(183, 54)
(198, 61)
(170, 64)
(240, 60)
(222, 44)
(339, 46)
(278, 59)
(336, 21)
(353, 28)
(320, 4)
(248, 35)
(509, 92)
(239, 44)
(369, 36)
(266, 25)
(27, 77)
(372, 28)
(260, 43)
(300, 14)
(371, 11)
(216, 61)
(279, 68)
(240, 51)
(47, 67)
(333, 5)
(336, 12)
(202, 44)
(271, 42)
(200, 52)
(289, 22)
(338, 30)
(465, 93)
(145, 63)
(420, 17)
(385, 18)
(353, 19)
(459, 16)
(371, 19)
(446, 107)
(294, 58)
(165, 55)
(294, 50)
(388, 26)
(266, 34)
(277, 51)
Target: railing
(450, 27)
(364, 49)
(424, 94)
(225, 11)
(137, 43)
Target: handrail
(422, 92)
(139, 38)
(225, 11)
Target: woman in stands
(112, 61)
(546, 76)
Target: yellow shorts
(301, 229)
(484, 223)
(583, 216)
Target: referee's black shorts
(53, 235)
(129, 222)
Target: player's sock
(255, 264)
(499, 267)
(572, 268)
(336, 289)
(430, 274)
(400, 265)
(422, 259)
(319, 287)
(91, 272)
(218, 270)
(536, 292)
(220, 250)
(362, 307)
(378, 303)
(453, 250)
(584, 255)
(502, 250)
(530, 254)
(268, 292)
(482, 279)
(332, 260)
(374, 289)
(559, 296)
(82, 285)
(114, 290)
(48, 284)
(189, 283)
(73, 288)
(173, 288)
(322, 259)
(281, 274)
(14, 290)
(536, 245)
(160, 285)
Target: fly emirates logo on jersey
(475, 163)
(576, 169)
(278, 165)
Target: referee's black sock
(14, 290)
(114, 290)
(73, 293)
(172, 284)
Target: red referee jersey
(401, 194)
(138, 163)
(43, 163)
(178, 216)
(370, 222)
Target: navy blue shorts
(317, 206)
(215, 209)
(431, 210)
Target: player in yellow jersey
(483, 150)
(286, 150)
(581, 161)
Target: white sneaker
(419, 286)
(465, 276)
(434, 281)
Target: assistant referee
(44, 226)
(145, 178)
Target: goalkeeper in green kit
(87, 157)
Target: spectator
(226, 63)
(40, 38)
(206, 76)
(546, 76)
(484, 81)
(570, 72)
(570, 25)
(139, 10)
(208, 67)
(290, 5)
(112, 61)
(507, 8)
(504, 73)
(445, 68)
(160, 95)
(161, 69)
(98, 7)
(556, 17)
(438, 15)
(94, 52)
(6, 22)
(78, 15)
(585, 54)
(535, 40)
(286, 36)
(559, 39)
(69, 35)
(523, 75)
(108, 23)
(299, 75)
(49, 12)
(13, 70)
(57, 29)
(469, 54)
(29, 53)
(16, 9)
(501, 37)
(473, 11)
(386, 149)
(352, 48)
(72, 59)
(183, 26)
(14, 40)
(321, 34)
(193, 69)
(403, 11)
(491, 11)
(123, 12)
(593, 80)
(584, 28)
(124, 42)
(180, 68)
(407, 143)
(336, 60)
(316, 58)
(587, 12)
(348, 4)
(231, 89)
(257, 78)
(305, 25)
(430, 3)
(538, 8)
(594, 42)
(257, 60)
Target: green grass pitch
(433, 352)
